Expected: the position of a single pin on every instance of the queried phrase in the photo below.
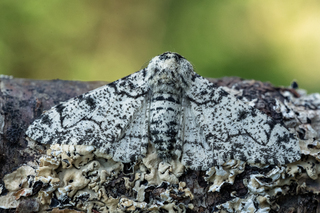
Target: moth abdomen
(165, 113)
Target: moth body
(165, 116)
(167, 83)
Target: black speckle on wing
(90, 102)
(45, 119)
(59, 108)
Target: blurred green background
(276, 41)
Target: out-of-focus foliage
(275, 41)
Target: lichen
(80, 176)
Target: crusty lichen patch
(18, 184)
(80, 176)
(219, 175)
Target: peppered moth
(170, 106)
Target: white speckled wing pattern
(169, 105)
(112, 118)
(226, 128)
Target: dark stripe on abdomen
(165, 114)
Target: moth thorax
(168, 88)
(165, 115)
(169, 79)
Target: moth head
(169, 69)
